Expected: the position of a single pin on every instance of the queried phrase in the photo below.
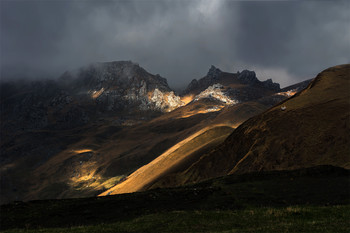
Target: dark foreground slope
(307, 188)
(309, 129)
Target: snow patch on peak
(216, 91)
(157, 98)
(288, 93)
(174, 101)
(165, 101)
(96, 93)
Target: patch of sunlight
(96, 94)
(201, 111)
(287, 93)
(111, 182)
(81, 151)
(87, 178)
(187, 98)
(84, 175)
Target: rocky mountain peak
(271, 85)
(124, 85)
(248, 77)
(98, 90)
(109, 75)
(215, 75)
(214, 72)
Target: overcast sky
(285, 41)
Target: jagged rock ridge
(215, 75)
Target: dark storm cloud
(287, 41)
(302, 38)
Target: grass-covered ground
(286, 219)
(307, 200)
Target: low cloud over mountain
(285, 41)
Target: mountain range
(113, 127)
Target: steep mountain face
(309, 129)
(122, 85)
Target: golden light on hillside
(149, 95)
(287, 93)
(96, 94)
(201, 111)
(175, 155)
(87, 178)
(84, 176)
(187, 98)
(81, 151)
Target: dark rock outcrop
(249, 77)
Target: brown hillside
(312, 130)
(174, 159)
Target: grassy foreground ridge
(307, 200)
(285, 219)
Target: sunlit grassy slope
(177, 158)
